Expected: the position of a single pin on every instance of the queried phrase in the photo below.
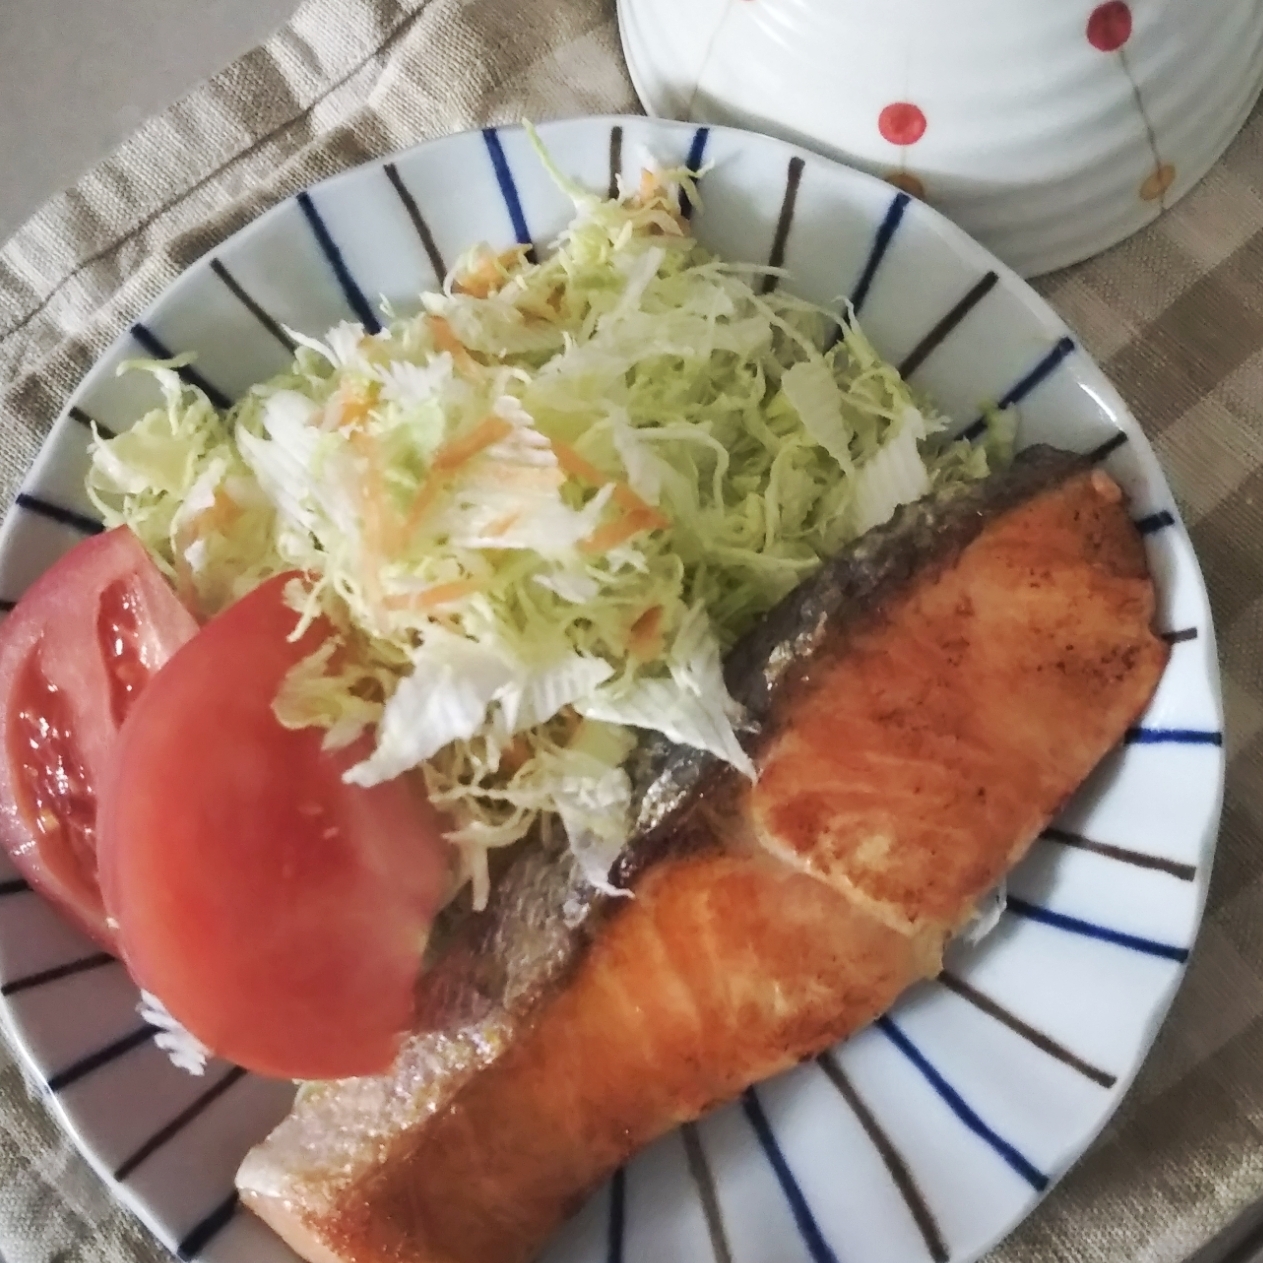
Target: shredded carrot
(446, 340)
(458, 451)
(482, 281)
(577, 467)
(501, 526)
(627, 499)
(381, 523)
(490, 274)
(446, 593)
(654, 196)
(622, 529)
(432, 598)
(216, 517)
(355, 404)
(426, 497)
(451, 456)
(644, 636)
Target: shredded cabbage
(537, 512)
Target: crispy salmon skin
(919, 710)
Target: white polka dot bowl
(1049, 131)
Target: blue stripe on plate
(618, 1216)
(696, 157)
(1089, 929)
(202, 1234)
(57, 513)
(1155, 522)
(881, 243)
(1173, 736)
(508, 190)
(156, 347)
(333, 253)
(1025, 385)
(697, 150)
(812, 1237)
(957, 1104)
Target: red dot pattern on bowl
(1109, 27)
(902, 123)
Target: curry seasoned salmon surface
(920, 710)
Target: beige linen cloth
(1175, 316)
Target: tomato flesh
(75, 654)
(279, 913)
(52, 783)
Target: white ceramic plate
(932, 1133)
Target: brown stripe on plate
(1108, 448)
(704, 1180)
(85, 964)
(418, 221)
(203, 1233)
(793, 179)
(87, 421)
(1044, 1043)
(941, 331)
(272, 325)
(616, 159)
(891, 1158)
(1138, 859)
(93, 1061)
(172, 1129)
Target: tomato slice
(279, 913)
(74, 655)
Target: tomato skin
(279, 913)
(75, 653)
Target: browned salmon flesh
(922, 709)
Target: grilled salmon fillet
(920, 710)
